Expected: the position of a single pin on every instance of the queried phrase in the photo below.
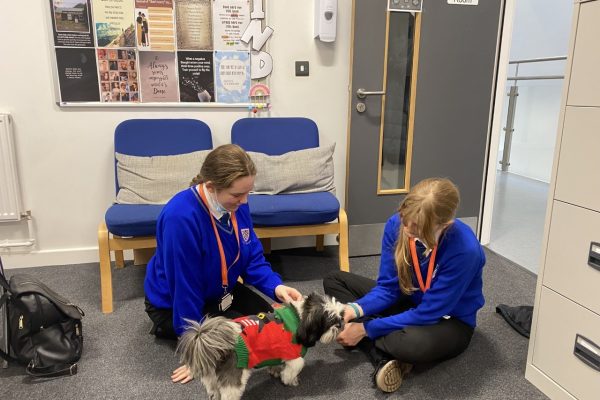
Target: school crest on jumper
(245, 234)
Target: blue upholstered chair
(133, 226)
(285, 215)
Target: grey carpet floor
(122, 361)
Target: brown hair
(224, 165)
(429, 204)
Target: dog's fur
(208, 348)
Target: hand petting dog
(287, 294)
(352, 334)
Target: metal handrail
(534, 77)
(528, 78)
(512, 101)
(541, 59)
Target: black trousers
(245, 302)
(412, 344)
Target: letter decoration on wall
(160, 51)
(261, 61)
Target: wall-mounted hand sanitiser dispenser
(325, 20)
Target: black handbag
(44, 328)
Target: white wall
(65, 156)
(541, 29)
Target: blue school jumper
(456, 287)
(185, 272)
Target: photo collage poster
(149, 51)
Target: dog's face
(321, 318)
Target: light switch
(301, 68)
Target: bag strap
(4, 299)
(3, 302)
(43, 372)
(8, 357)
(52, 370)
(3, 281)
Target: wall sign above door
(464, 2)
(405, 5)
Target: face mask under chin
(218, 206)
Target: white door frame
(493, 143)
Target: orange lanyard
(224, 267)
(417, 266)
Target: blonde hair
(429, 204)
(224, 165)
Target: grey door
(438, 71)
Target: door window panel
(396, 129)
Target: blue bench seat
(293, 209)
(132, 220)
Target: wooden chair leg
(142, 256)
(320, 242)
(119, 259)
(343, 223)
(106, 291)
(266, 244)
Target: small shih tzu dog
(222, 352)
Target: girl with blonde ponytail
(423, 306)
(426, 211)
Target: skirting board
(42, 258)
(84, 255)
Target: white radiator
(10, 189)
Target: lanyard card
(225, 302)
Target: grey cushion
(154, 180)
(303, 171)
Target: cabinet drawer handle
(587, 351)
(594, 257)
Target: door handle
(362, 93)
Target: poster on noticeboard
(232, 76)
(72, 23)
(196, 76)
(230, 19)
(113, 21)
(194, 24)
(154, 25)
(118, 75)
(158, 77)
(77, 74)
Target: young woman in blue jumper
(205, 242)
(415, 315)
